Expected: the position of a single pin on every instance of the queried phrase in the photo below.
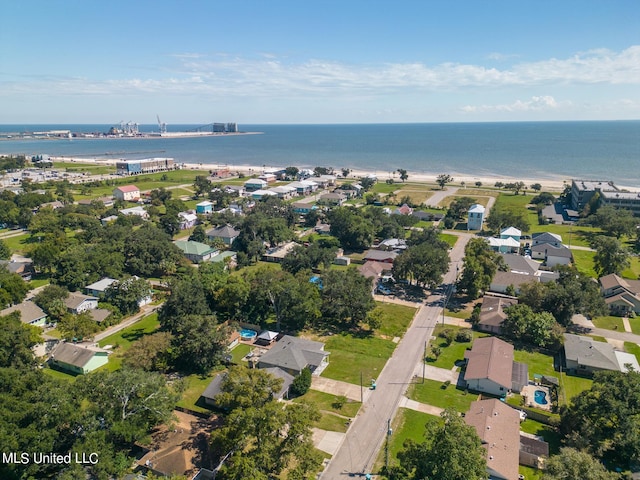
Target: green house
(195, 251)
(77, 359)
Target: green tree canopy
(346, 298)
(615, 221)
(611, 256)
(572, 463)
(451, 450)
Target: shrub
(448, 335)
(301, 383)
(446, 384)
(464, 336)
(339, 402)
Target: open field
(407, 425)
(395, 320)
(432, 392)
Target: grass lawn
(332, 419)
(60, 375)
(571, 234)
(550, 435)
(635, 325)
(632, 348)
(93, 168)
(408, 425)
(122, 340)
(395, 320)
(447, 237)
(447, 201)
(530, 473)
(432, 393)
(583, 260)
(238, 353)
(19, 243)
(633, 272)
(418, 197)
(351, 356)
(384, 187)
(422, 224)
(452, 353)
(195, 385)
(609, 322)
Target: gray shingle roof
(294, 353)
(72, 354)
(29, 312)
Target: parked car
(384, 290)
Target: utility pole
(424, 360)
(361, 391)
(386, 445)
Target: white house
(187, 220)
(254, 184)
(128, 193)
(78, 303)
(138, 211)
(475, 217)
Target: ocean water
(607, 150)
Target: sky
(299, 61)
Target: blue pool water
(540, 397)
(247, 334)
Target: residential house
(491, 369)
(284, 192)
(352, 190)
(520, 264)
(546, 238)
(187, 220)
(228, 257)
(325, 180)
(137, 211)
(97, 289)
(215, 386)
(374, 270)
(77, 302)
(304, 187)
(262, 194)
(302, 208)
(24, 268)
(492, 313)
(333, 199)
(498, 426)
(379, 256)
(503, 245)
(236, 190)
(511, 232)
(127, 193)
(584, 355)
(52, 205)
(195, 251)
(475, 217)
(293, 354)
(403, 210)
(77, 359)
(268, 177)
(204, 207)
(254, 184)
(533, 451)
(322, 228)
(106, 201)
(502, 282)
(552, 255)
(106, 220)
(278, 253)
(226, 233)
(389, 244)
(30, 313)
(620, 294)
(342, 260)
(99, 315)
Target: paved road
(367, 432)
(439, 195)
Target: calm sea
(544, 150)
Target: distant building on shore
(582, 191)
(475, 217)
(146, 165)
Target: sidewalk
(336, 387)
(420, 407)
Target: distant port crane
(163, 126)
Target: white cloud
(535, 104)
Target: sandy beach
(555, 185)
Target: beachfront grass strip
(395, 320)
(407, 425)
(609, 322)
(92, 168)
(195, 385)
(353, 356)
(432, 393)
(449, 354)
(476, 192)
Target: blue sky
(347, 61)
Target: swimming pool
(247, 334)
(540, 397)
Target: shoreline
(487, 180)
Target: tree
(479, 266)
(504, 217)
(16, 341)
(572, 463)
(367, 182)
(291, 172)
(198, 234)
(127, 294)
(302, 383)
(12, 288)
(603, 420)
(478, 184)
(517, 187)
(354, 231)
(202, 185)
(128, 401)
(611, 256)
(317, 171)
(536, 187)
(615, 221)
(346, 297)
(451, 450)
(260, 437)
(146, 249)
(403, 174)
(77, 327)
(150, 353)
(345, 172)
(51, 300)
(544, 198)
(539, 329)
(5, 252)
(443, 179)
(199, 342)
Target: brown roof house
(30, 313)
(293, 354)
(621, 295)
(77, 302)
(492, 313)
(491, 369)
(498, 426)
(77, 359)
